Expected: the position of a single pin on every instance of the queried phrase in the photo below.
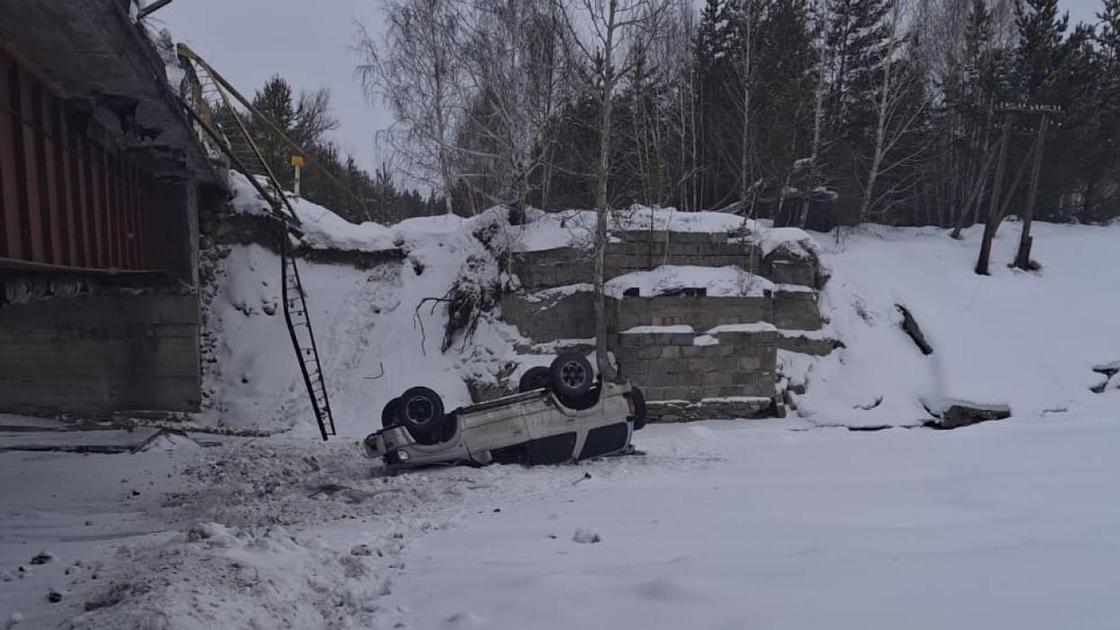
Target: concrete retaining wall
(553, 267)
(567, 316)
(100, 353)
(711, 409)
(645, 250)
(807, 344)
(700, 312)
(796, 310)
(670, 366)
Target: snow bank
(1026, 340)
(373, 340)
(323, 229)
(794, 240)
(574, 228)
(719, 281)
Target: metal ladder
(228, 132)
(303, 339)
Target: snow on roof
(718, 281)
(322, 228)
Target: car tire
(571, 376)
(421, 411)
(638, 402)
(534, 378)
(585, 401)
(390, 414)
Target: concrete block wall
(553, 267)
(790, 271)
(100, 353)
(566, 316)
(796, 310)
(691, 367)
(645, 250)
(572, 315)
(700, 312)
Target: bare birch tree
(417, 72)
(897, 115)
(514, 64)
(602, 32)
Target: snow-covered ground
(765, 524)
(1028, 340)
(762, 524)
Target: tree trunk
(605, 369)
(1023, 258)
(993, 212)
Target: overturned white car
(561, 414)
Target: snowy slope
(370, 336)
(1028, 340)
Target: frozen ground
(753, 524)
(720, 525)
(1028, 340)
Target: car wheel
(638, 409)
(533, 378)
(390, 414)
(421, 411)
(570, 376)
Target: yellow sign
(297, 160)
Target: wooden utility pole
(1023, 258)
(1002, 201)
(997, 191)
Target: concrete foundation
(100, 353)
(545, 319)
(700, 312)
(685, 375)
(711, 409)
(682, 366)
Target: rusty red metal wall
(67, 200)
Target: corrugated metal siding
(67, 200)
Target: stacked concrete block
(551, 315)
(686, 366)
(646, 250)
(553, 267)
(712, 409)
(804, 342)
(695, 356)
(700, 312)
(796, 310)
(794, 266)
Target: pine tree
(856, 39)
(716, 93)
(786, 82)
(1105, 203)
(1041, 32)
(274, 100)
(855, 43)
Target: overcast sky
(309, 44)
